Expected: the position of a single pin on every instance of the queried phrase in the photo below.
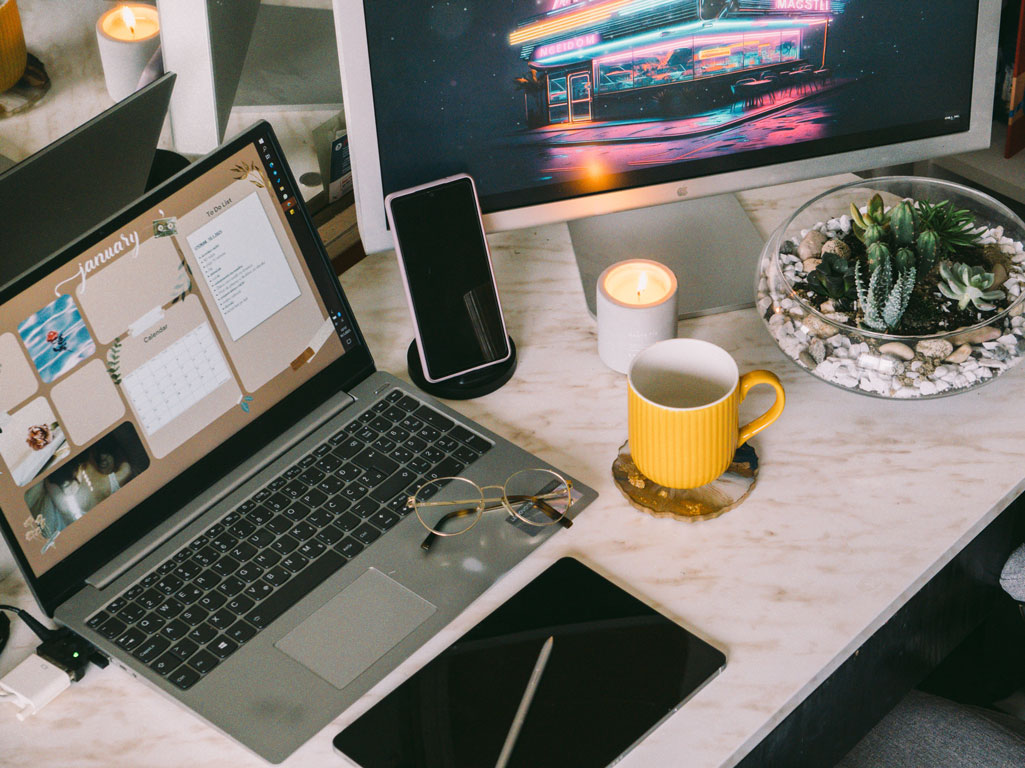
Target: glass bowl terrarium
(898, 287)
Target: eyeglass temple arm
(545, 507)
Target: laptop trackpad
(356, 628)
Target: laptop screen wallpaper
(124, 366)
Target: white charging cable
(33, 684)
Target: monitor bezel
(63, 579)
(361, 126)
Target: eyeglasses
(538, 497)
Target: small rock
(928, 388)
(959, 355)
(1017, 309)
(897, 349)
(847, 381)
(837, 317)
(934, 348)
(811, 264)
(811, 245)
(839, 247)
(827, 306)
(817, 350)
(977, 336)
(817, 327)
(999, 275)
(806, 360)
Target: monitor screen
(545, 100)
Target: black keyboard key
(312, 549)
(348, 448)
(212, 601)
(372, 477)
(433, 455)
(337, 437)
(246, 506)
(242, 529)
(412, 424)
(321, 450)
(414, 444)
(259, 590)
(379, 407)
(267, 558)
(434, 418)
(198, 543)
(223, 543)
(203, 662)
(98, 619)
(337, 505)
(243, 551)
(240, 632)
(165, 664)
(302, 531)
(231, 518)
(293, 472)
(297, 511)
(331, 485)
(133, 593)
(231, 586)
(130, 639)
(397, 434)
(167, 567)
(408, 403)
(277, 575)
(366, 533)
(384, 445)
(168, 585)
(203, 634)
(260, 515)
(294, 489)
(184, 648)
(194, 615)
(313, 498)
(367, 435)
(320, 518)
(278, 502)
(295, 589)
(284, 545)
(364, 508)
(226, 566)
(466, 454)
(464, 435)
(188, 570)
(222, 618)
(188, 594)
(151, 623)
(222, 647)
(329, 463)
(262, 495)
(348, 522)
(240, 605)
(394, 396)
(401, 455)
(175, 630)
(449, 467)
(354, 491)
(214, 530)
(295, 562)
(183, 678)
(206, 556)
(131, 612)
(330, 535)
(384, 519)
(447, 444)
(277, 483)
(261, 538)
(169, 608)
(394, 413)
(430, 434)
(151, 649)
(380, 423)
(397, 482)
(279, 524)
(249, 572)
(350, 548)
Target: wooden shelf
(989, 168)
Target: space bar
(295, 589)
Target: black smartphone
(448, 277)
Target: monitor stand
(710, 243)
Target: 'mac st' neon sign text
(557, 4)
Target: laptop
(66, 188)
(204, 474)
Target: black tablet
(615, 668)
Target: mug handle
(753, 379)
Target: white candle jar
(128, 36)
(636, 308)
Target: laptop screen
(139, 354)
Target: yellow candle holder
(13, 54)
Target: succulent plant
(902, 223)
(905, 259)
(873, 222)
(834, 279)
(952, 226)
(968, 284)
(877, 254)
(884, 299)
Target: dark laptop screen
(123, 366)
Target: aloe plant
(884, 299)
(968, 285)
(872, 225)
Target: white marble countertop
(858, 503)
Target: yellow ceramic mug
(685, 396)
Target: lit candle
(128, 36)
(636, 307)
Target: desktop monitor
(82, 178)
(565, 109)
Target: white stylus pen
(528, 696)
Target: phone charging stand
(467, 386)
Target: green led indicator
(75, 655)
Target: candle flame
(128, 18)
(642, 283)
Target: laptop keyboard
(217, 592)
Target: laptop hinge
(116, 567)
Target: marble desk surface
(859, 502)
